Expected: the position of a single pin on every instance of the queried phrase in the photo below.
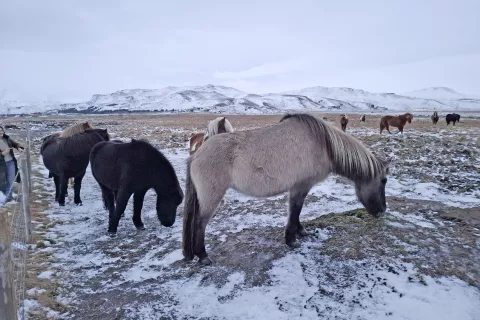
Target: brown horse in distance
(395, 121)
(216, 126)
(344, 122)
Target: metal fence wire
(14, 243)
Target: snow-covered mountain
(221, 99)
(436, 93)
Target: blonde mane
(76, 128)
(212, 127)
(348, 155)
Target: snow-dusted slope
(220, 99)
(436, 93)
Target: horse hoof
(79, 204)
(112, 234)
(302, 233)
(205, 261)
(140, 228)
(61, 204)
(294, 244)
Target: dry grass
(38, 262)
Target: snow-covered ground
(141, 275)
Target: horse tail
(382, 125)
(190, 214)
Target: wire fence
(15, 236)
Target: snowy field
(419, 262)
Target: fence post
(8, 306)
(26, 199)
(29, 161)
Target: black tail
(105, 193)
(190, 213)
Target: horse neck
(349, 158)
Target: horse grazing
(214, 127)
(362, 118)
(452, 117)
(68, 157)
(344, 122)
(292, 155)
(434, 117)
(122, 169)
(395, 121)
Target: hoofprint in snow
(403, 266)
(227, 100)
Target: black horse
(452, 117)
(125, 168)
(435, 117)
(68, 158)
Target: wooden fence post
(8, 305)
(29, 161)
(26, 199)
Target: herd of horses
(400, 121)
(290, 156)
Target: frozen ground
(419, 262)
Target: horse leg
(56, 180)
(77, 185)
(207, 212)
(62, 188)
(296, 199)
(137, 209)
(388, 128)
(400, 128)
(115, 193)
(382, 126)
(121, 201)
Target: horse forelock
(213, 127)
(349, 157)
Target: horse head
(371, 193)
(409, 117)
(167, 206)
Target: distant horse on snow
(68, 158)
(214, 127)
(292, 155)
(452, 117)
(122, 169)
(344, 122)
(435, 117)
(395, 121)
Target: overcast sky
(69, 50)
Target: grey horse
(292, 155)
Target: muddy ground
(351, 266)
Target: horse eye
(384, 181)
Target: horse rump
(190, 213)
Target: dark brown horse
(344, 122)
(216, 126)
(435, 117)
(395, 121)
